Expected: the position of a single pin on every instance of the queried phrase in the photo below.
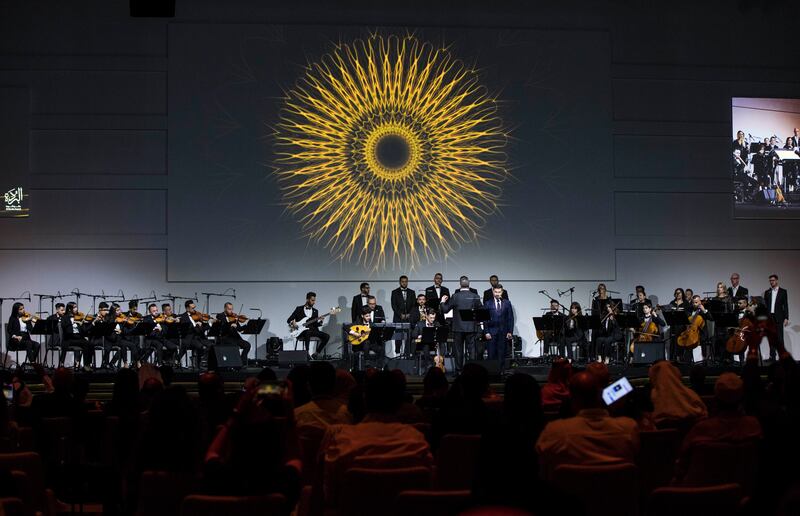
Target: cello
(690, 337)
(742, 337)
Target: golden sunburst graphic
(390, 152)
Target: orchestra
(765, 171)
(724, 327)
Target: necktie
(404, 294)
(498, 305)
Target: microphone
(234, 293)
(612, 291)
(541, 291)
(559, 292)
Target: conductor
(463, 331)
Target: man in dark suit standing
(403, 301)
(499, 329)
(493, 282)
(735, 290)
(463, 331)
(434, 293)
(776, 300)
(359, 300)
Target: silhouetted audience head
(586, 392)
(697, 378)
(167, 374)
(300, 376)
(434, 383)
(62, 380)
(474, 382)
(345, 382)
(522, 400)
(601, 372)
(125, 397)
(210, 386)
(267, 375)
(729, 392)
(383, 394)
(322, 379)
(560, 372)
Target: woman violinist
(20, 324)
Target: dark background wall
(84, 92)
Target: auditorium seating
(716, 463)
(604, 490)
(456, 459)
(695, 501)
(201, 505)
(364, 489)
(432, 503)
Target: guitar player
(308, 310)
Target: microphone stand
(3, 337)
(216, 294)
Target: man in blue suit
(499, 329)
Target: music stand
(726, 320)
(99, 330)
(628, 320)
(477, 315)
(44, 327)
(254, 327)
(675, 318)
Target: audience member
(592, 436)
(323, 410)
(299, 375)
(377, 436)
(697, 380)
(674, 404)
(729, 425)
(345, 383)
(556, 390)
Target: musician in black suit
(418, 314)
(105, 342)
(424, 348)
(19, 333)
(493, 282)
(608, 333)
(154, 341)
(54, 325)
(171, 337)
(403, 301)
(195, 339)
(359, 301)
(230, 331)
(312, 330)
(72, 336)
(434, 293)
(499, 329)
(121, 338)
(735, 290)
(554, 322)
(464, 332)
(373, 342)
(796, 138)
(776, 300)
(376, 313)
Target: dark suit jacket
(487, 294)
(355, 310)
(414, 317)
(379, 316)
(781, 304)
(228, 333)
(14, 327)
(463, 300)
(501, 322)
(430, 294)
(741, 292)
(400, 306)
(66, 326)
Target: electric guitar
(303, 324)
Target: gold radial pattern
(390, 152)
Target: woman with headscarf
(674, 404)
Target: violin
(610, 313)
(82, 317)
(201, 317)
(236, 318)
(168, 319)
(26, 317)
(129, 320)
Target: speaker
(492, 366)
(224, 357)
(647, 352)
(292, 358)
(152, 8)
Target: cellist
(697, 310)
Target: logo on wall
(14, 203)
(390, 152)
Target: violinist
(72, 327)
(105, 343)
(20, 324)
(121, 337)
(230, 331)
(554, 319)
(54, 321)
(154, 341)
(573, 334)
(608, 333)
(196, 338)
(170, 334)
